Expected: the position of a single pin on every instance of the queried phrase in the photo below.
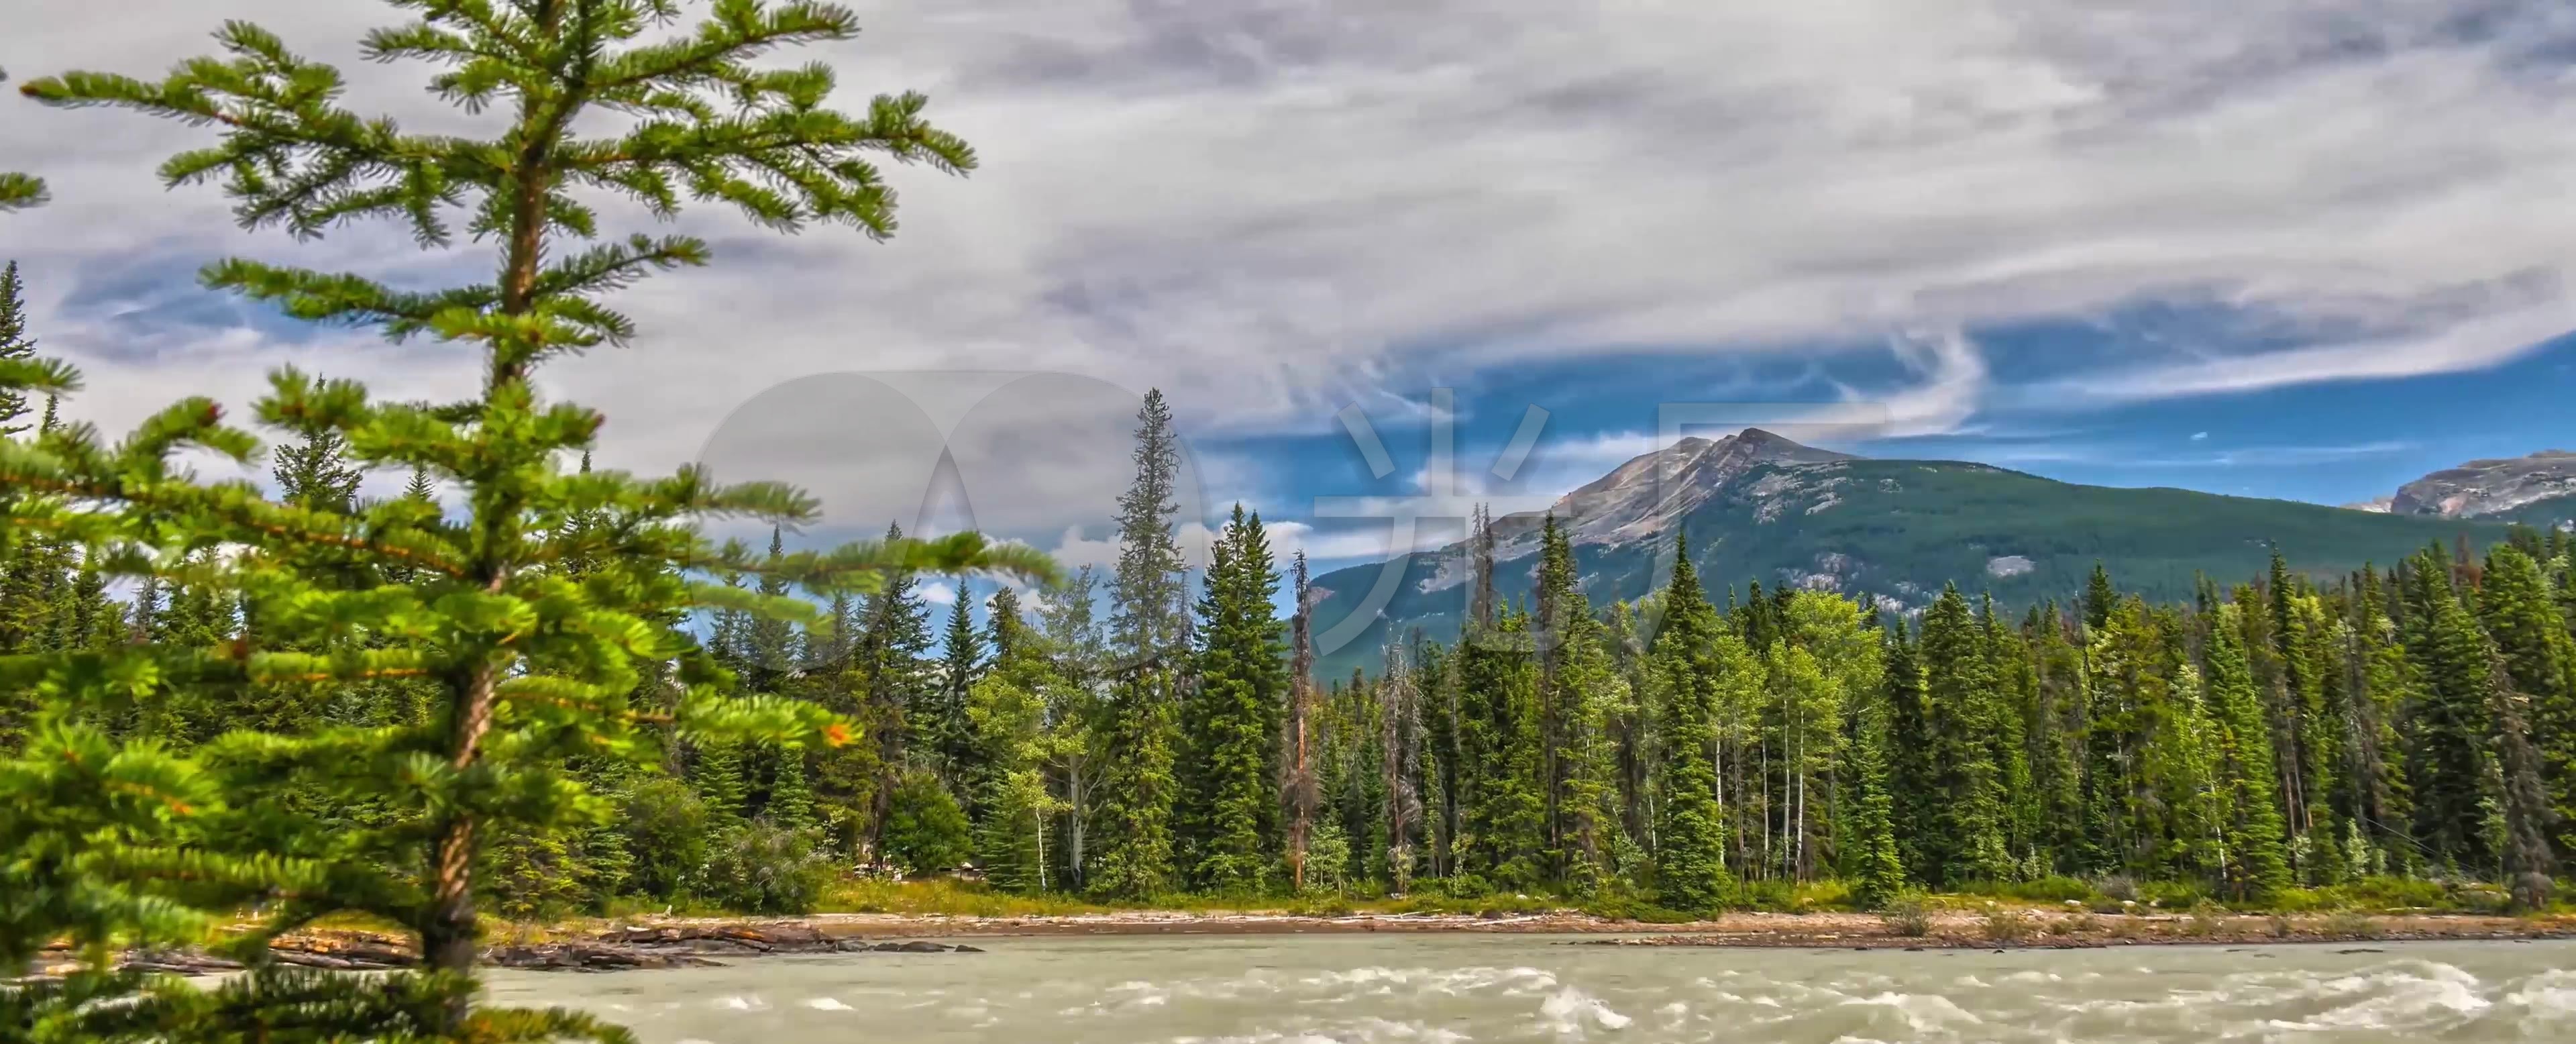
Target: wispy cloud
(2260, 456)
(2476, 344)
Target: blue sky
(2331, 441)
(2266, 247)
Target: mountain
(1640, 499)
(2538, 489)
(1756, 506)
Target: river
(1320, 989)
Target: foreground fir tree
(528, 665)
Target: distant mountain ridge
(1641, 500)
(2509, 487)
(1756, 506)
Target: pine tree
(1584, 698)
(891, 687)
(2528, 863)
(1958, 701)
(1148, 606)
(1877, 866)
(1913, 773)
(2520, 614)
(2447, 751)
(1010, 837)
(768, 644)
(525, 662)
(1228, 785)
(720, 780)
(1134, 858)
(2384, 688)
(2253, 829)
(950, 737)
(2303, 729)
(791, 795)
(1695, 656)
(15, 345)
(1149, 629)
(1503, 747)
(2099, 599)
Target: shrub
(2383, 893)
(2007, 924)
(2049, 890)
(1825, 895)
(664, 824)
(2119, 888)
(2482, 898)
(1328, 862)
(2174, 895)
(925, 831)
(2206, 919)
(2352, 924)
(1619, 906)
(533, 874)
(760, 868)
(1909, 914)
(1772, 896)
(1324, 905)
(2295, 900)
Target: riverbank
(1998, 926)
(683, 942)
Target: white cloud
(2284, 456)
(2199, 436)
(938, 593)
(1274, 208)
(2477, 343)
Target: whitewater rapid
(1452, 989)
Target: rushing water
(1315, 989)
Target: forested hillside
(1898, 530)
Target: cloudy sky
(2274, 247)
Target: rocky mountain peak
(2488, 487)
(1646, 495)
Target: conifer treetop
(702, 123)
